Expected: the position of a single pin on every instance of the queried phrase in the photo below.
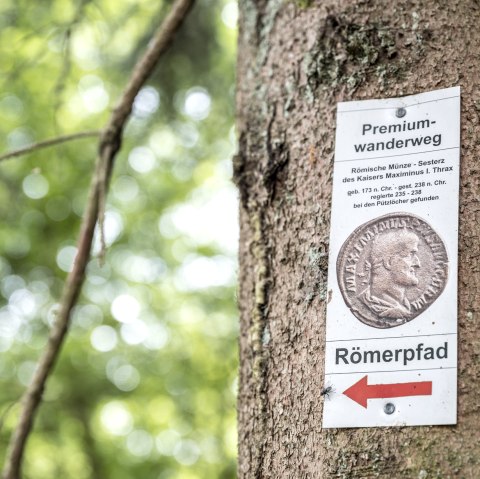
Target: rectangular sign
(391, 341)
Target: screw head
(389, 408)
(401, 112)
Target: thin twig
(5, 413)
(67, 53)
(48, 143)
(108, 147)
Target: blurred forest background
(146, 382)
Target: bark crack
(257, 333)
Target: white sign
(391, 342)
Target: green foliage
(146, 383)
(304, 3)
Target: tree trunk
(296, 61)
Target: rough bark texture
(296, 61)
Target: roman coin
(391, 269)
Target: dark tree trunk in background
(296, 61)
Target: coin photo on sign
(391, 269)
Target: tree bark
(296, 61)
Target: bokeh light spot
(125, 308)
(66, 257)
(35, 186)
(116, 418)
(186, 452)
(140, 443)
(103, 338)
(197, 103)
(146, 102)
(142, 159)
(126, 378)
(230, 15)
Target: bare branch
(108, 147)
(48, 143)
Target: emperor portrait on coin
(391, 269)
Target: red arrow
(361, 390)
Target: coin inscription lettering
(391, 269)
